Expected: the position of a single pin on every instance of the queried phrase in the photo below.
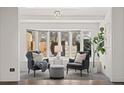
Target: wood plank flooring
(64, 82)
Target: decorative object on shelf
(98, 44)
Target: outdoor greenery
(87, 45)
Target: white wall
(106, 59)
(113, 60)
(117, 44)
(8, 44)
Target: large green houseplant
(98, 44)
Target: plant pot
(97, 68)
(94, 70)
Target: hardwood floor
(64, 82)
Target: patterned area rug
(72, 75)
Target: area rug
(72, 75)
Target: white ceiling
(88, 13)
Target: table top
(56, 66)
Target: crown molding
(61, 21)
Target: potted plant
(98, 44)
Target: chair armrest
(71, 60)
(46, 59)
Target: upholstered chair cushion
(37, 57)
(80, 57)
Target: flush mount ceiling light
(57, 14)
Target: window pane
(29, 40)
(53, 43)
(65, 43)
(87, 42)
(75, 43)
(42, 37)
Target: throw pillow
(37, 57)
(34, 55)
(80, 57)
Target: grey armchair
(31, 64)
(79, 66)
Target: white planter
(97, 67)
(94, 70)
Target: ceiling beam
(61, 21)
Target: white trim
(59, 42)
(70, 43)
(36, 41)
(48, 44)
(81, 40)
(117, 79)
(18, 49)
(62, 30)
(61, 21)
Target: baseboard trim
(8, 82)
(120, 79)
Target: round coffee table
(56, 71)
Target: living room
(37, 29)
(68, 29)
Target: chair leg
(67, 71)
(75, 70)
(81, 72)
(87, 71)
(34, 73)
(28, 71)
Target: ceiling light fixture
(57, 14)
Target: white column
(81, 41)
(59, 41)
(36, 41)
(70, 43)
(48, 44)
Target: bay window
(52, 43)
(45, 42)
(65, 44)
(42, 43)
(75, 43)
